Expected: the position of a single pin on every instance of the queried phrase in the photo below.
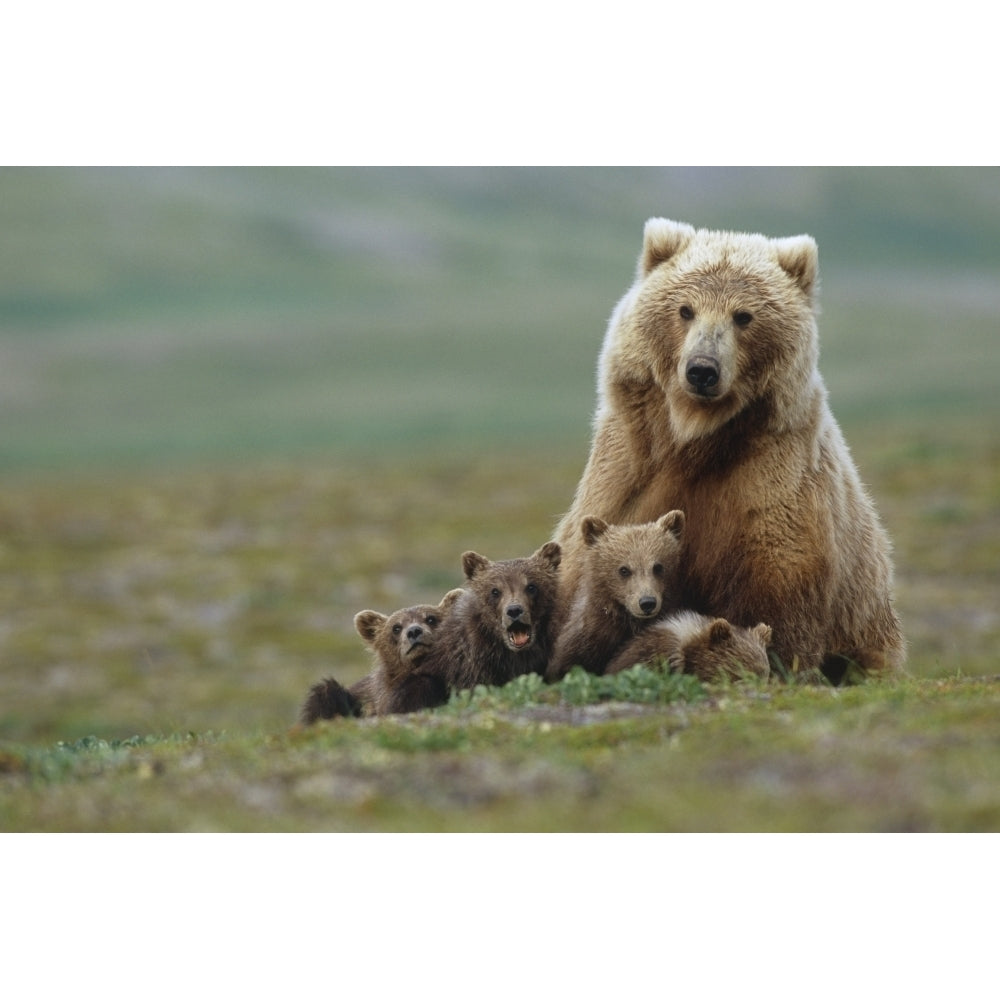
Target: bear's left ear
(763, 632)
(672, 522)
(661, 240)
(368, 623)
(551, 553)
(798, 257)
(473, 563)
(719, 631)
(592, 528)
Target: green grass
(238, 407)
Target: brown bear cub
(710, 648)
(630, 577)
(501, 626)
(400, 643)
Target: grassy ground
(166, 627)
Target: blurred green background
(238, 405)
(152, 315)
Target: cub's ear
(719, 631)
(661, 240)
(798, 257)
(368, 623)
(449, 599)
(473, 564)
(672, 522)
(551, 553)
(592, 528)
(763, 632)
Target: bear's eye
(431, 620)
(687, 312)
(742, 318)
(531, 589)
(624, 572)
(657, 569)
(397, 628)
(495, 593)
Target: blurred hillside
(206, 314)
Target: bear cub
(710, 648)
(501, 626)
(630, 577)
(400, 643)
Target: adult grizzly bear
(710, 401)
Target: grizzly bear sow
(400, 643)
(501, 626)
(710, 648)
(630, 578)
(710, 400)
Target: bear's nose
(647, 605)
(702, 373)
(414, 632)
(514, 611)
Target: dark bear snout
(514, 611)
(414, 632)
(647, 605)
(702, 373)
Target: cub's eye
(495, 594)
(624, 572)
(687, 312)
(531, 589)
(397, 628)
(742, 318)
(431, 620)
(657, 569)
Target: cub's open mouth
(519, 636)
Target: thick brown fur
(397, 682)
(501, 626)
(710, 400)
(630, 579)
(710, 648)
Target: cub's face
(636, 565)
(517, 596)
(405, 637)
(717, 321)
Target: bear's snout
(514, 611)
(414, 632)
(702, 374)
(647, 605)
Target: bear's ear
(592, 528)
(368, 623)
(551, 553)
(672, 522)
(449, 599)
(473, 563)
(763, 632)
(798, 257)
(661, 240)
(719, 631)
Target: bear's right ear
(672, 522)
(661, 240)
(449, 599)
(592, 529)
(798, 257)
(473, 563)
(763, 632)
(719, 631)
(368, 623)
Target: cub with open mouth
(501, 626)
